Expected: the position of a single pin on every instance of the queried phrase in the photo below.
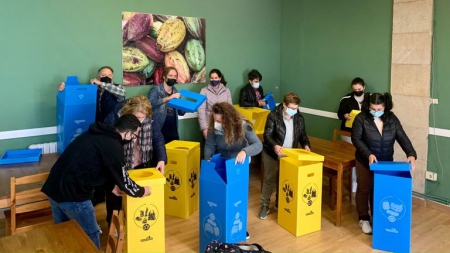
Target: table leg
(339, 195)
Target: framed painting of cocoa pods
(151, 42)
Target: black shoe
(248, 236)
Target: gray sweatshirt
(213, 96)
(216, 141)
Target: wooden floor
(430, 229)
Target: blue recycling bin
(392, 206)
(270, 101)
(189, 102)
(75, 111)
(223, 201)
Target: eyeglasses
(134, 136)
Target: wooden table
(63, 237)
(19, 170)
(339, 156)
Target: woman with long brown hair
(230, 135)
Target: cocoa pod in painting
(133, 79)
(195, 54)
(194, 26)
(170, 35)
(139, 25)
(199, 77)
(158, 75)
(133, 59)
(176, 60)
(155, 28)
(148, 46)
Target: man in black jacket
(93, 158)
(285, 128)
(252, 95)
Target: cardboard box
(75, 111)
(257, 116)
(392, 206)
(223, 201)
(189, 102)
(300, 191)
(144, 217)
(270, 102)
(182, 178)
(353, 114)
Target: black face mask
(171, 82)
(105, 79)
(358, 93)
(125, 141)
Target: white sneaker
(365, 226)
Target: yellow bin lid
(302, 155)
(147, 177)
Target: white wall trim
(5, 135)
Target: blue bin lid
(390, 166)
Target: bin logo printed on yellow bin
(193, 177)
(173, 179)
(392, 208)
(288, 191)
(146, 216)
(309, 194)
(212, 228)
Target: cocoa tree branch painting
(151, 42)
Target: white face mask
(255, 85)
(217, 126)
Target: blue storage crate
(392, 206)
(21, 156)
(270, 101)
(223, 201)
(75, 109)
(192, 102)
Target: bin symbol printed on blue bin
(146, 216)
(309, 194)
(288, 191)
(193, 177)
(237, 226)
(212, 227)
(392, 208)
(77, 133)
(173, 179)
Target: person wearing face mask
(252, 94)
(166, 116)
(92, 159)
(351, 101)
(374, 133)
(285, 128)
(108, 93)
(215, 92)
(230, 135)
(139, 151)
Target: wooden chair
(115, 240)
(332, 174)
(29, 208)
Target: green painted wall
(325, 44)
(45, 41)
(438, 147)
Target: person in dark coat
(92, 159)
(252, 95)
(374, 133)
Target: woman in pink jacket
(215, 92)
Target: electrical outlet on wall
(431, 175)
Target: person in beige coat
(215, 92)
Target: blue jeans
(82, 212)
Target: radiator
(46, 147)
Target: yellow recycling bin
(257, 116)
(300, 191)
(144, 217)
(182, 174)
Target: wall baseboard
(430, 204)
